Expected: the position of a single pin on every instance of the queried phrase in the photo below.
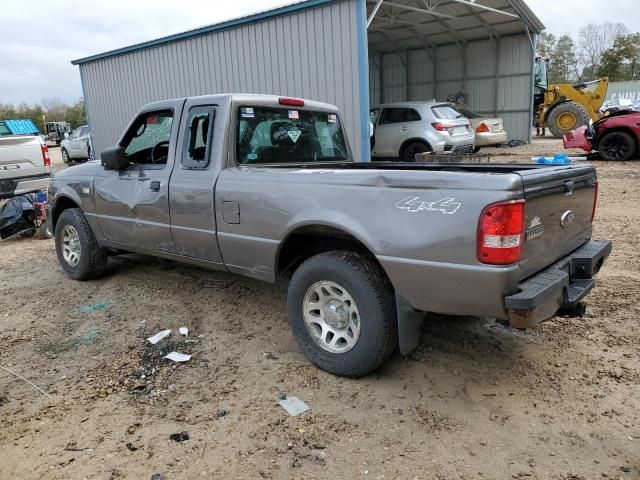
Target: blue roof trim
(257, 17)
(363, 80)
(21, 127)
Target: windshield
(289, 135)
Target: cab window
(197, 138)
(268, 135)
(399, 115)
(147, 140)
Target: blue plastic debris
(557, 159)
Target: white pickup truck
(25, 165)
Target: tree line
(600, 50)
(49, 110)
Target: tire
(618, 146)
(476, 149)
(367, 297)
(410, 150)
(65, 157)
(565, 117)
(90, 258)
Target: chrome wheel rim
(65, 156)
(71, 245)
(331, 317)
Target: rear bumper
(18, 186)
(488, 139)
(561, 286)
(577, 139)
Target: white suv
(403, 129)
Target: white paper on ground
(178, 357)
(294, 406)
(159, 336)
(184, 331)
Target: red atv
(615, 137)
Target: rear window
(445, 112)
(288, 135)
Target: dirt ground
(476, 401)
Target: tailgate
(21, 156)
(558, 210)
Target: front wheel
(77, 248)
(342, 313)
(616, 146)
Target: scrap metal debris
(159, 336)
(184, 331)
(294, 406)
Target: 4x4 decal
(448, 205)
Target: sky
(39, 38)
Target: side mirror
(114, 159)
(66, 134)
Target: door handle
(404, 129)
(155, 186)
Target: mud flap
(409, 323)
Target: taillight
(595, 200)
(294, 102)
(500, 233)
(441, 127)
(45, 155)
(482, 128)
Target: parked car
(266, 187)
(404, 129)
(77, 146)
(614, 137)
(25, 165)
(56, 131)
(489, 131)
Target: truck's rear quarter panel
(422, 226)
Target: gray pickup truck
(266, 187)
(25, 165)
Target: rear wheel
(616, 146)
(65, 156)
(409, 152)
(342, 313)
(566, 117)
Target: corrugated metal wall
(310, 54)
(628, 90)
(496, 75)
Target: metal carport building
(352, 53)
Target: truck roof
(257, 99)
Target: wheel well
(624, 130)
(413, 140)
(63, 203)
(311, 240)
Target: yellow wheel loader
(563, 107)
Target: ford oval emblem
(566, 218)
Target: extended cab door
(132, 205)
(193, 217)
